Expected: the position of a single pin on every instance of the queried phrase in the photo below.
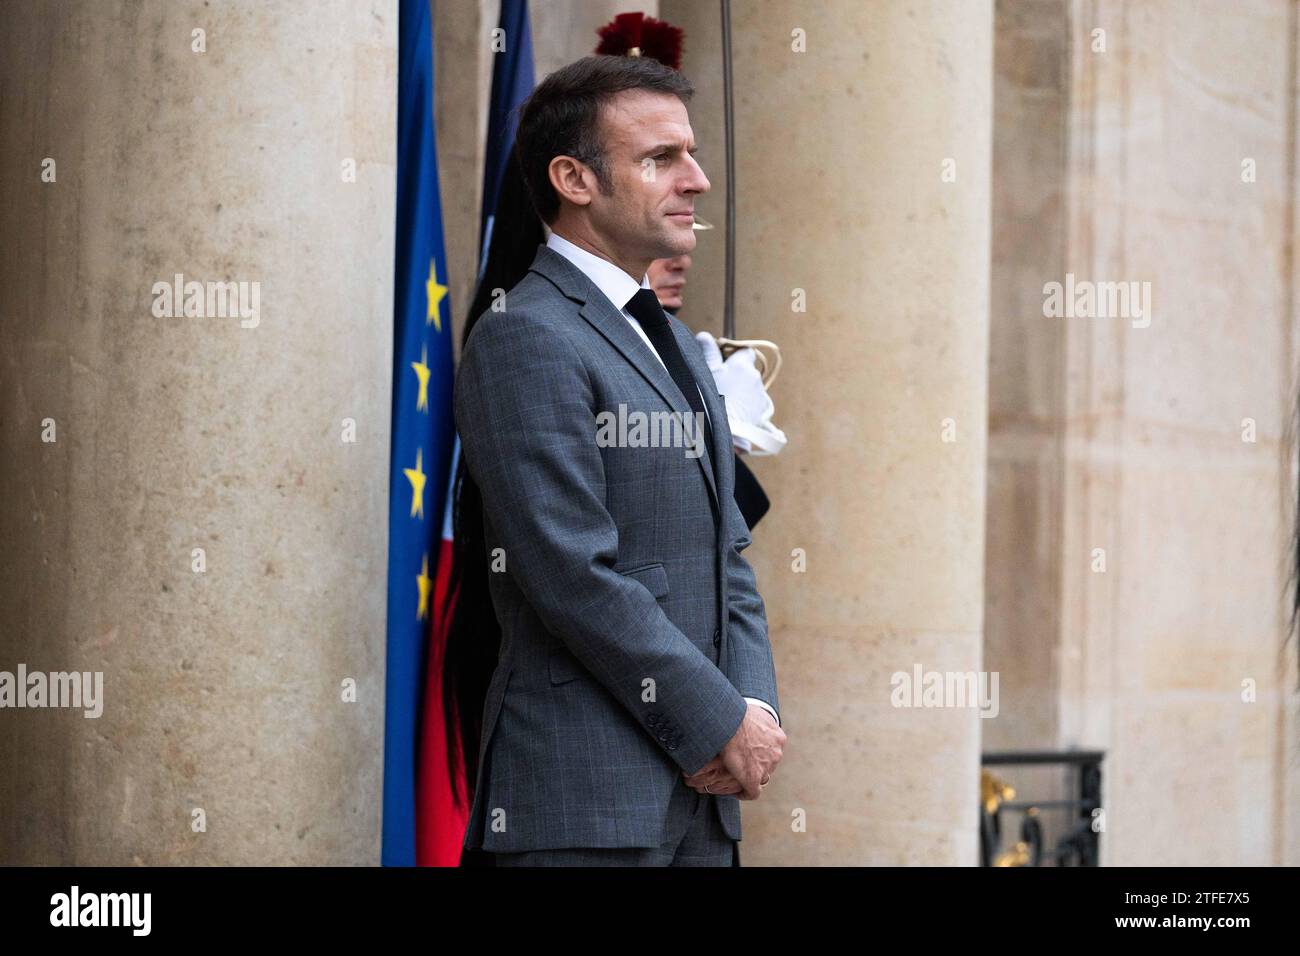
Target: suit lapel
(614, 326)
(713, 401)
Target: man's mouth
(688, 216)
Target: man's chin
(677, 243)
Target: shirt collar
(616, 284)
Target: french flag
(439, 822)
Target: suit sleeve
(525, 410)
(752, 670)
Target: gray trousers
(696, 838)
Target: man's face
(648, 145)
(667, 277)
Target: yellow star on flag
(416, 476)
(434, 293)
(426, 584)
(422, 373)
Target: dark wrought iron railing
(1078, 844)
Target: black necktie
(645, 308)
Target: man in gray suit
(634, 702)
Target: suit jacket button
(717, 636)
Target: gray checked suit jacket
(632, 628)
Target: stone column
(863, 170)
(181, 506)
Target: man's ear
(570, 179)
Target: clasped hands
(746, 763)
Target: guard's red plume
(635, 34)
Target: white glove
(749, 407)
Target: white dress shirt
(619, 287)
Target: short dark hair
(562, 118)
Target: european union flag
(422, 427)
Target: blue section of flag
(422, 431)
(512, 81)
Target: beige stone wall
(1023, 610)
(1026, 372)
(565, 30)
(222, 689)
(1155, 651)
(462, 87)
(1127, 165)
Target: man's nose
(696, 181)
